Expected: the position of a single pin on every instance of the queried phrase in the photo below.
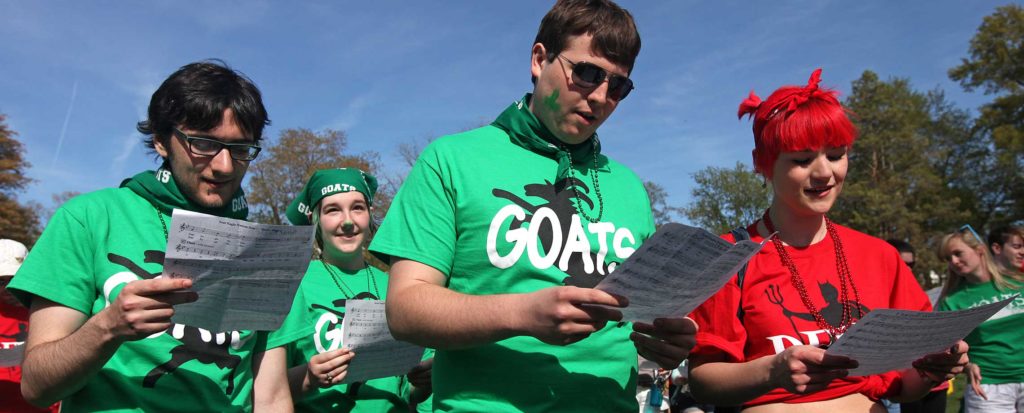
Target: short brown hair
(613, 29)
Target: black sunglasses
(589, 76)
(211, 147)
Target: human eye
(802, 161)
(205, 146)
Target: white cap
(12, 254)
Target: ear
(161, 149)
(538, 58)
(757, 169)
(996, 248)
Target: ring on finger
(329, 377)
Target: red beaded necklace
(845, 282)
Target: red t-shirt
(775, 318)
(14, 331)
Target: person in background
(1007, 245)
(338, 202)
(650, 392)
(935, 401)
(13, 331)
(995, 376)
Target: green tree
(18, 222)
(726, 198)
(892, 190)
(915, 169)
(663, 212)
(996, 65)
(285, 166)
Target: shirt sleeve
(719, 329)
(420, 224)
(60, 266)
(907, 293)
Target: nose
(821, 169)
(599, 95)
(222, 164)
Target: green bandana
(526, 131)
(159, 188)
(327, 182)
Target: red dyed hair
(796, 118)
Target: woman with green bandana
(338, 202)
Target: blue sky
(77, 76)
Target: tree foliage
(892, 189)
(18, 222)
(996, 65)
(281, 171)
(913, 166)
(661, 210)
(726, 198)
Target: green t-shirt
(92, 246)
(489, 214)
(995, 345)
(313, 326)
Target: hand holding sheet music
(245, 273)
(378, 354)
(887, 339)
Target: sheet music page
(676, 270)
(378, 354)
(245, 273)
(887, 339)
(11, 353)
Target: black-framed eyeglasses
(589, 76)
(211, 147)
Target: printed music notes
(378, 354)
(887, 339)
(245, 273)
(675, 271)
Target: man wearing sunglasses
(499, 233)
(102, 337)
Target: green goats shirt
(313, 326)
(95, 244)
(995, 345)
(489, 215)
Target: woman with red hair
(762, 338)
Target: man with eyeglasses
(102, 337)
(499, 233)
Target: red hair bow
(749, 105)
(808, 91)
